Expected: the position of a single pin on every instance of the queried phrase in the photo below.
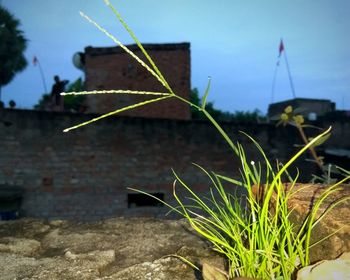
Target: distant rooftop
(149, 47)
(313, 106)
(296, 100)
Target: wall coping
(94, 51)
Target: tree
(12, 47)
(238, 116)
(43, 102)
(195, 99)
(73, 103)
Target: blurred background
(234, 42)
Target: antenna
(79, 60)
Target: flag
(35, 60)
(281, 48)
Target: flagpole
(289, 74)
(42, 77)
(274, 82)
(36, 61)
(280, 50)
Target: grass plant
(257, 238)
(291, 116)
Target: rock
(69, 255)
(210, 272)
(161, 269)
(338, 269)
(17, 267)
(118, 249)
(95, 259)
(336, 221)
(27, 228)
(57, 223)
(21, 246)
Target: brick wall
(84, 174)
(112, 68)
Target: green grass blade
(127, 50)
(116, 112)
(230, 180)
(299, 153)
(128, 29)
(137, 92)
(158, 199)
(205, 96)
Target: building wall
(84, 174)
(112, 68)
(320, 107)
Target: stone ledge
(111, 249)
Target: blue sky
(233, 41)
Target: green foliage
(219, 115)
(12, 47)
(256, 237)
(74, 102)
(43, 101)
(196, 114)
(71, 102)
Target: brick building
(112, 68)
